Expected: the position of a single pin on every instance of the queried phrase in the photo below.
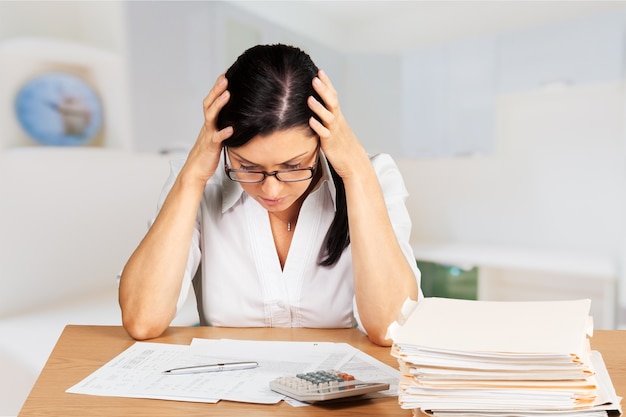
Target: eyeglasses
(284, 175)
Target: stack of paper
(463, 357)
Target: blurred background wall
(506, 118)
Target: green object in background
(448, 281)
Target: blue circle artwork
(59, 109)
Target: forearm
(383, 278)
(151, 280)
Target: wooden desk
(83, 349)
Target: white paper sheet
(137, 372)
(496, 326)
(489, 358)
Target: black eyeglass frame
(275, 174)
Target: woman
(282, 208)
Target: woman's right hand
(153, 276)
(204, 157)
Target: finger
(319, 128)
(326, 91)
(218, 88)
(211, 140)
(324, 78)
(321, 111)
(210, 113)
(224, 134)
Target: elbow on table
(378, 336)
(143, 329)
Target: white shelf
(515, 274)
(467, 256)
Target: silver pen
(215, 367)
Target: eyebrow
(244, 160)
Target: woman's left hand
(383, 277)
(338, 141)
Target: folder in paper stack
(501, 358)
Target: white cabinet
(450, 90)
(588, 50)
(519, 274)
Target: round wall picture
(59, 109)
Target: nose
(271, 186)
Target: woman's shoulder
(383, 162)
(389, 175)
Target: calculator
(324, 385)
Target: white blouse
(243, 284)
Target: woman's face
(287, 149)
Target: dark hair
(269, 86)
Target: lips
(272, 201)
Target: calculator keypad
(323, 385)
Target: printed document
(137, 372)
